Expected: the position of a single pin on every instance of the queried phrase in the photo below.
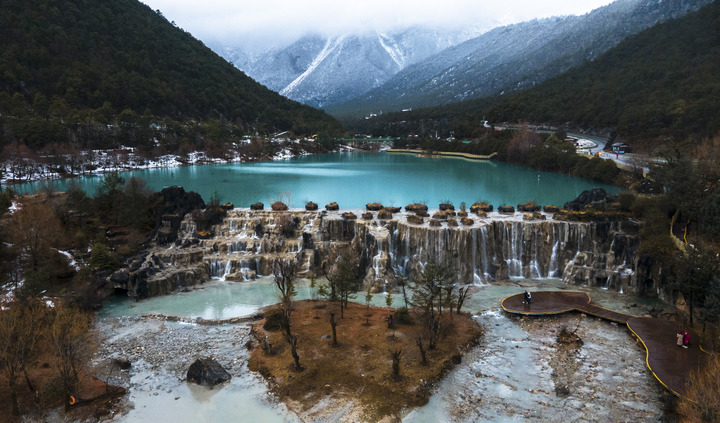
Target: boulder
(440, 215)
(228, 206)
(551, 209)
(310, 206)
(528, 207)
(393, 209)
(481, 214)
(591, 198)
(367, 216)
(207, 372)
(462, 213)
(384, 214)
(452, 222)
(506, 209)
(120, 278)
(349, 216)
(416, 207)
(422, 213)
(417, 220)
(467, 221)
(279, 206)
(435, 223)
(122, 363)
(374, 206)
(446, 206)
(332, 206)
(481, 206)
(257, 206)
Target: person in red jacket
(686, 339)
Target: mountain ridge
(514, 57)
(321, 70)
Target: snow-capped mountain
(320, 71)
(515, 57)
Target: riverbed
(513, 374)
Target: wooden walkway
(670, 364)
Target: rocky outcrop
(279, 206)
(207, 372)
(482, 206)
(384, 214)
(257, 206)
(175, 203)
(416, 207)
(310, 206)
(332, 206)
(592, 198)
(528, 207)
(373, 206)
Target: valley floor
(518, 370)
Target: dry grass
(359, 368)
(95, 398)
(702, 397)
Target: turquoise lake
(354, 179)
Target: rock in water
(207, 372)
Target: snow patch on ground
(95, 162)
(73, 263)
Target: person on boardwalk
(686, 339)
(527, 297)
(680, 338)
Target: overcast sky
(247, 23)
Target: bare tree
(69, 340)
(395, 355)
(333, 324)
(284, 272)
(428, 287)
(34, 231)
(423, 351)
(292, 340)
(20, 329)
(462, 295)
(343, 281)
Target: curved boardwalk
(670, 364)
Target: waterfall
(513, 240)
(228, 269)
(485, 251)
(508, 247)
(217, 268)
(534, 266)
(553, 269)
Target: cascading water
(492, 248)
(553, 268)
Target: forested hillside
(103, 72)
(661, 83)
